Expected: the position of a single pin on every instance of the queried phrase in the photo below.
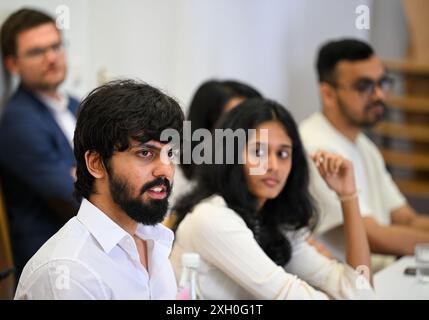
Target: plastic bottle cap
(191, 260)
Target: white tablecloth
(392, 283)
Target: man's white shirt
(64, 118)
(92, 257)
(378, 194)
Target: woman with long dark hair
(211, 100)
(249, 225)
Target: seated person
(36, 134)
(353, 86)
(248, 220)
(115, 247)
(210, 101)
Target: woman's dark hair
(207, 107)
(292, 209)
(112, 114)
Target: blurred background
(270, 44)
(177, 44)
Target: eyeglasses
(366, 87)
(37, 53)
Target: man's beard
(365, 122)
(148, 213)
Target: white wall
(177, 44)
(389, 34)
(312, 23)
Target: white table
(392, 283)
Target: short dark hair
(292, 209)
(17, 22)
(207, 107)
(112, 114)
(334, 51)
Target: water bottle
(188, 284)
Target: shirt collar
(109, 234)
(158, 233)
(54, 105)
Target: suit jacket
(35, 165)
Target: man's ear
(11, 65)
(327, 94)
(94, 164)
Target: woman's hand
(337, 172)
(339, 176)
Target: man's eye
(364, 86)
(35, 52)
(145, 153)
(386, 83)
(57, 46)
(171, 154)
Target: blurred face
(360, 91)
(140, 181)
(40, 58)
(276, 153)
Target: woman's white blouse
(234, 266)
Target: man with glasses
(36, 131)
(353, 84)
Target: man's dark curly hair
(114, 113)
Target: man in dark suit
(36, 131)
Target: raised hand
(337, 172)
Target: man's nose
(51, 55)
(379, 93)
(163, 169)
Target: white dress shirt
(378, 194)
(92, 257)
(234, 266)
(65, 119)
